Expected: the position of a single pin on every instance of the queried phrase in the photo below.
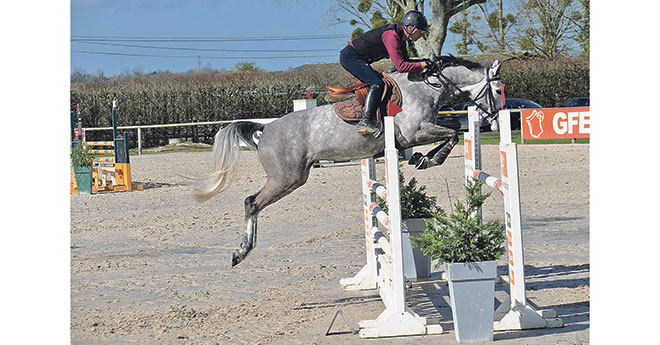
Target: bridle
(436, 71)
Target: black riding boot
(368, 123)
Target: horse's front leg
(428, 134)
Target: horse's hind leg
(249, 240)
(273, 190)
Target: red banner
(555, 123)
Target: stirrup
(365, 129)
(366, 126)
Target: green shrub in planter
(82, 162)
(460, 236)
(469, 250)
(80, 156)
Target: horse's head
(491, 96)
(481, 85)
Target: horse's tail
(226, 154)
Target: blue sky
(262, 25)
(194, 19)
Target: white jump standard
(514, 313)
(384, 268)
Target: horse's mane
(452, 60)
(441, 62)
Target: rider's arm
(394, 48)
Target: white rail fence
(139, 128)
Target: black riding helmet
(416, 19)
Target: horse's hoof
(415, 158)
(423, 163)
(235, 259)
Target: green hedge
(180, 99)
(547, 82)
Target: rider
(374, 45)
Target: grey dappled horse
(290, 145)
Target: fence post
(139, 140)
(522, 123)
(194, 131)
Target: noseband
(436, 71)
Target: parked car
(519, 103)
(448, 120)
(576, 102)
(463, 117)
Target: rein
(436, 71)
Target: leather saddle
(351, 109)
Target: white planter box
(472, 294)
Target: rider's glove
(428, 67)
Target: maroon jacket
(384, 41)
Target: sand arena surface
(153, 266)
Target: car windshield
(582, 102)
(576, 102)
(522, 103)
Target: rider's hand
(426, 66)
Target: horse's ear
(495, 69)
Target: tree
(247, 67)
(441, 12)
(463, 27)
(497, 26)
(583, 34)
(551, 27)
(365, 13)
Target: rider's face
(416, 33)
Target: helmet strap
(405, 28)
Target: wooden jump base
(515, 313)
(108, 173)
(384, 251)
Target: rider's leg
(368, 123)
(360, 69)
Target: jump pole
(515, 313)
